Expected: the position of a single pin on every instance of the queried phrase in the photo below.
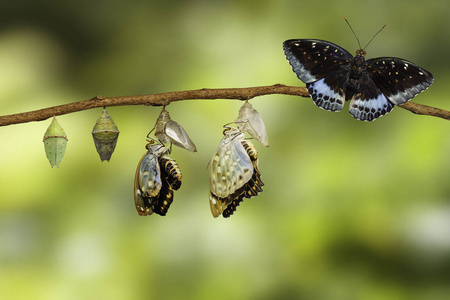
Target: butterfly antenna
(375, 36)
(354, 33)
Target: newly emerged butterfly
(157, 175)
(249, 120)
(333, 76)
(234, 173)
(169, 131)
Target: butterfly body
(333, 76)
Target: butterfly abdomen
(173, 171)
(231, 208)
(165, 199)
(251, 150)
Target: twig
(421, 109)
(166, 98)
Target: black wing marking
(328, 93)
(369, 103)
(399, 80)
(312, 60)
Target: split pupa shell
(169, 131)
(105, 134)
(55, 142)
(249, 120)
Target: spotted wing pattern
(369, 103)
(327, 93)
(312, 60)
(234, 173)
(398, 79)
(252, 188)
(374, 86)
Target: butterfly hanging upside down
(333, 75)
(157, 175)
(234, 173)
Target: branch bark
(167, 98)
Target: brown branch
(425, 110)
(166, 98)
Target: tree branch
(166, 98)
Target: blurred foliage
(350, 210)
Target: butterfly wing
(231, 169)
(399, 80)
(324, 67)
(312, 60)
(147, 183)
(250, 189)
(369, 103)
(328, 93)
(148, 175)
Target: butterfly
(157, 175)
(234, 173)
(333, 76)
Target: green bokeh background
(350, 210)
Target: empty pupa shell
(250, 121)
(105, 134)
(168, 131)
(55, 142)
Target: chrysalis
(234, 173)
(105, 134)
(156, 177)
(55, 142)
(250, 121)
(168, 131)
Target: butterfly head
(360, 52)
(155, 147)
(231, 132)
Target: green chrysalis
(55, 142)
(105, 134)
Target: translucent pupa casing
(249, 120)
(169, 131)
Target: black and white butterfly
(332, 75)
